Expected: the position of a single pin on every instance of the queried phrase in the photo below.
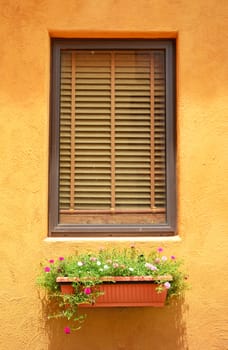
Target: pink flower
(151, 266)
(51, 261)
(87, 290)
(167, 285)
(160, 249)
(61, 258)
(67, 330)
(93, 258)
(47, 269)
(173, 257)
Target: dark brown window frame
(83, 230)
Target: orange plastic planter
(126, 291)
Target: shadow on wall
(124, 329)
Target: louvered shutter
(65, 131)
(159, 131)
(133, 130)
(112, 131)
(92, 130)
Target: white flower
(131, 269)
(98, 263)
(164, 258)
(80, 263)
(106, 267)
(167, 285)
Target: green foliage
(90, 267)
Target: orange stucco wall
(201, 27)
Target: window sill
(113, 239)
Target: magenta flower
(67, 330)
(167, 285)
(51, 261)
(173, 257)
(87, 290)
(47, 269)
(61, 258)
(160, 249)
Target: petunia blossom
(160, 249)
(173, 257)
(61, 258)
(80, 263)
(47, 269)
(51, 261)
(67, 330)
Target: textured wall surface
(201, 27)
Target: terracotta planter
(125, 291)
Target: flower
(87, 290)
(167, 285)
(151, 267)
(115, 265)
(164, 258)
(93, 258)
(91, 269)
(67, 330)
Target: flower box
(131, 291)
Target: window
(112, 138)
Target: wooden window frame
(71, 230)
